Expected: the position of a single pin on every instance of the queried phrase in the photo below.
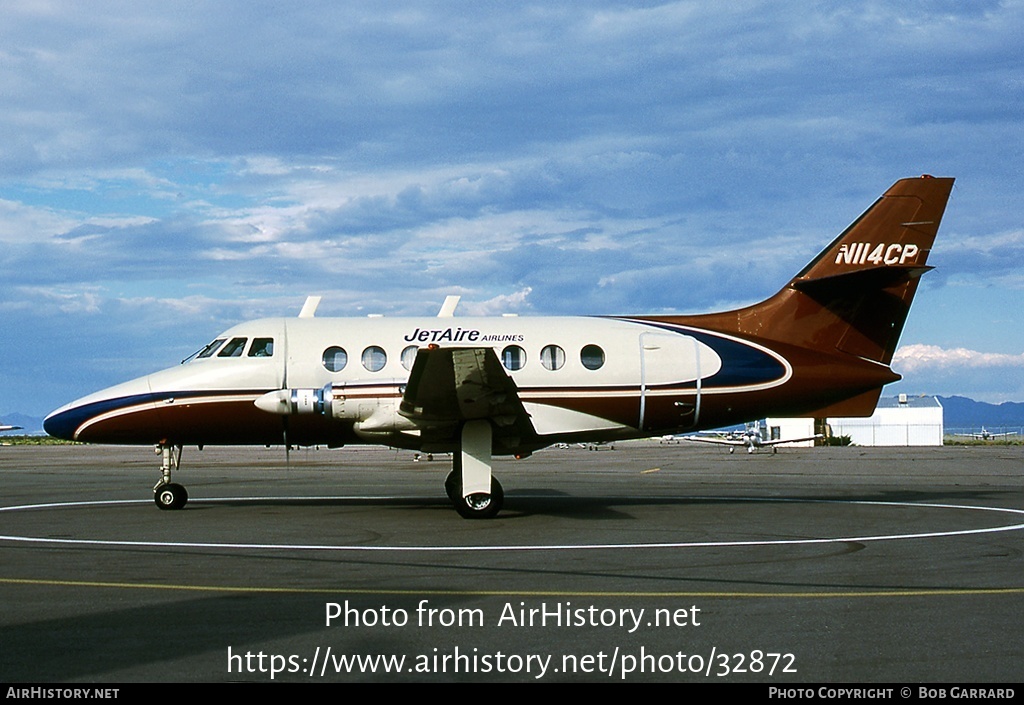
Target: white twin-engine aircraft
(753, 437)
(479, 387)
(987, 435)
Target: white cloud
(516, 302)
(588, 158)
(20, 222)
(917, 358)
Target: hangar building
(897, 421)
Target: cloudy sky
(170, 169)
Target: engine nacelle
(286, 402)
(371, 415)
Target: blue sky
(168, 170)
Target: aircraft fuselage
(579, 378)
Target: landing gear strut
(167, 494)
(470, 486)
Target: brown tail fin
(868, 276)
(855, 295)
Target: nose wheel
(167, 494)
(170, 495)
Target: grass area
(34, 441)
(961, 441)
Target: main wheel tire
(481, 505)
(453, 485)
(170, 496)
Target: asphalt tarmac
(647, 563)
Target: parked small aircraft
(986, 435)
(477, 387)
(754, 437)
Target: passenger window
(234, 348)
(409, 356)
(262, 347)
(552, 357)
(210, 349)
(374, 358)
(513, 358)
(592, 357)
(335, 359)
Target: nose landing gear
(167, 494)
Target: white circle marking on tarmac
(520, 547)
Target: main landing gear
(474, 492)
(167, 494)
(479, 505)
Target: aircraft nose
(61, 424)
(69, 421)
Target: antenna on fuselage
(309, 308)
(448, 307)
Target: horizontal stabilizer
(858, 280)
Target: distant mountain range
(31, 424)
(963, 413)
(959, 414)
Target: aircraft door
(264, 358)
(670, 381)
(304, 365)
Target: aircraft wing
(449, 386)
(739, 442)
(792, 440)
(717, 440)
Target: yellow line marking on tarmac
(647, 472)
(904, 592)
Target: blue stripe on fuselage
(743, 365)
(66, 423)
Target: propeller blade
(287, 446)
